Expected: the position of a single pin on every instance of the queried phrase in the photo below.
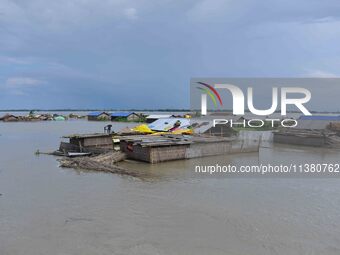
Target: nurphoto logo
(239, 99)
(243, 98)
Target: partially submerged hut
(300, 137)
(125, 116)
(9, 118)
(95, 143)
(98, 116)
(155, 149)
(317, 130)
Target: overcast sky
(142, 53)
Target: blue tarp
(320, 117)
(95, 113)
(121, 114)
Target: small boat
(78, 154)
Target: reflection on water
(48, 210)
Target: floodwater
(46, 210)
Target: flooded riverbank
(45, 209)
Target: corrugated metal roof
(158, 116)
(121, 114)
(320, 117)
(164, 124)
(201, 126)
(96, 113)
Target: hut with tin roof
(98, 116)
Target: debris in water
(104, 162)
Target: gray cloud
(148, 49)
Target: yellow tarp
(143, 129)
(146, 130)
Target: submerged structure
(32, 117)
(155, 149)
(95, 116)
(87, 143)
(300, 137)
(125, 116)
(163, 140)
(322, 131)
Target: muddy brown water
(45, 209)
